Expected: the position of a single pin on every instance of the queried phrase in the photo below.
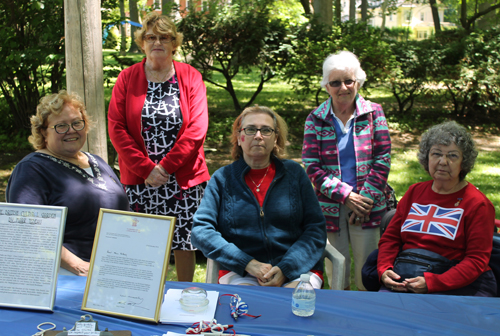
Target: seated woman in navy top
(58, 173)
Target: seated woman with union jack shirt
(446, 215)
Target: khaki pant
(363, 242)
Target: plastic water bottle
(303, 297)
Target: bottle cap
(305, 277)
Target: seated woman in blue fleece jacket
(259, 217)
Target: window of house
(422, 17)
(407, 15)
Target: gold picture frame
(129, 264)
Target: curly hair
(280, 128)
(161, 25)
(53, 104)
(445, 134)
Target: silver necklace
(257, 186)
(67, 159)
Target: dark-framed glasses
(153, 38)
(450, 156)
(64, 128)
(251, 130)
(336, 84)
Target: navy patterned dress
(161, 122)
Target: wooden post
(84, 76)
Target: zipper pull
(261, 213)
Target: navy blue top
(288, 231)
(45, 180)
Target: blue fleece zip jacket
(289, 231)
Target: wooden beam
(84, 67)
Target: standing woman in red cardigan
(158, 120)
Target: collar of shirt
(345, 128)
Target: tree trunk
(352, 10)
(463, 14)
(435, 16)
(323, 10)
(338, 11)
(307, 6)
(364, 10)
(123, 31)
(383, 9)
(134, 16)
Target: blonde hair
(53, 104)
(280, 128)
(161, 25)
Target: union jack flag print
(434, 220)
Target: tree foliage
(313, 44)
(32, 53)
(473, 82)
(233, 39)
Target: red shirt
(471, 242)
(261, 178)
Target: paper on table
(171, 311)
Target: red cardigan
(186, 159)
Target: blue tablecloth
(337, 313)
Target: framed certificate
(129, 264)
(31, 237)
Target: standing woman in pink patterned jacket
(347, 155)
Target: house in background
(417, 17)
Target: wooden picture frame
(129, 264)
(31, 238)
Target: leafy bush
(313, 44)
(230, 39)
(32, 55)
(474, 82)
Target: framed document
(129, 264)
(31, 237)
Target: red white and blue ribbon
(238, 307)
(208, 327)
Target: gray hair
(445, 134)
(343, 60)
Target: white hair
(343, 60)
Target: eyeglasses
(347, 82)
(251, 130)
(64, 128)
(451, 156)
(153, 38)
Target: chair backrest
(386, 220)
(330, 253)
